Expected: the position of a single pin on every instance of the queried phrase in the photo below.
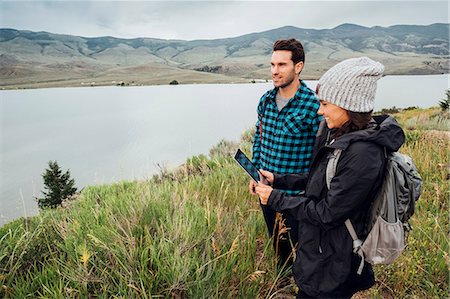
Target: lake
(107, 134)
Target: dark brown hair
(358, 121)
(292, 45)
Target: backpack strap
(357, 243)
(330, 172)
(333, 160)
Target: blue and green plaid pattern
(287, 135)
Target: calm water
(107, 134)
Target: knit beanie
(351, 84)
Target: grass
(197, 233)
(425, 119)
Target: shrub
(58, 186)
(224, 148)
(391, 110)
(445, 103)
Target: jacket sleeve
(290, 181)
(357, 171)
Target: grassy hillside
(196, 233)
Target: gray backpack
(389, 212)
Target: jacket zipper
(320, 242)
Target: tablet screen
(248, 166)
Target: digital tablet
(247, 165)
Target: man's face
(283, 70)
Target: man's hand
(264, 192)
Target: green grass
(197, 233)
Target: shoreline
(91, 83)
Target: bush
(58, 186)
(224, 148)
(445, 103)
(391, 110)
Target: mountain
(39, 59)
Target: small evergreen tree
(57, 186)
(445, 103)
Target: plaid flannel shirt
(287, 135)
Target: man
(285, 133)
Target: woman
(325, 265)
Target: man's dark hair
(292, 45)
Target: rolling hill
(42, 59)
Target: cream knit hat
(351, 84)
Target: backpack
(389, 212)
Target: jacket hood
(382, 130)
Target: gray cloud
(209, 19)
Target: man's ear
(299, 67)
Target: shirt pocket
(295, 123)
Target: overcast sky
(190, 20)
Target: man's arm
(311, 117)
(256, 150)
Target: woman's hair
(357, 121)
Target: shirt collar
(301, 89)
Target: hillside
(197, 233)
(41, 59)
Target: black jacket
(325, 265)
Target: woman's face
(335, 116)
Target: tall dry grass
(197, 233)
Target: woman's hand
(268, 176)
(251, 187)
(264, 192)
